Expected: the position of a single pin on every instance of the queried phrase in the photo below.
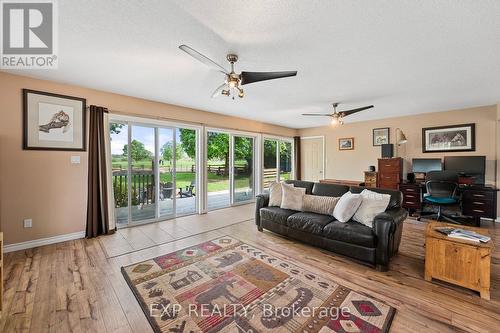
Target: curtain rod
(131, 114)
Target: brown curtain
(97, 199)
(296, 147)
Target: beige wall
(44, 185)
(349, 165)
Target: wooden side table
(461, 262)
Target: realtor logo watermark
(29, 34)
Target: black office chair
(441, 189)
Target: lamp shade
(400, 137)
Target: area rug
(225, 285)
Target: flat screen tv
(471, 166)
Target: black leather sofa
(374, 246)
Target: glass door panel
(218, 195)
(285, 160)
(270, 172)
(166, 167)
(142, 182)
(185, 170)
(119, 165)
(243, 161)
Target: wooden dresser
(370, 179)
(390, 172)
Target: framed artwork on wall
(381, 136)
(53, 122)
(451, 138)
(346, 144)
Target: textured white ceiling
(403, 56)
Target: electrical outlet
(28, 223)
(75, 159)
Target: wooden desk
(461, 262)
(341, 182)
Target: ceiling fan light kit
(338, 116)
(233, 81)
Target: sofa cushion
(373, 203)
(319, 204)
(309, 222)
(350, 232)
(347, 205)
(396, 195)
(331, 190)
(276, 194)
(292, 197)
(302, 183)
(276, 214)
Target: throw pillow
(373, 203)
(292, 197)
(275, 193)
(319, 204)
(347, 205)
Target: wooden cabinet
(456, 261)
(412, 195)
(480, 203)
(370, 179)
(390, 172)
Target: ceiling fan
(338, 116)
(233, 82)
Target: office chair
(441, 189)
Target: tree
(188, 142)
(115, 128)
(138, 151)
(167, 149)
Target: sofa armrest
(388, 227)
(262, 200)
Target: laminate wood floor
(73, 287)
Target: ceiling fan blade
(318, 114)
(251, 77)
(217, 92)
(202, 58)
(349, 112)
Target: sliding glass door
(278, 161)
(243, 169)
(230, 169)
(153, 171)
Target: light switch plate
(28, 223)
(75, 159)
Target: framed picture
(346, 144)
(381, 136)
(449, 138)
(53, 122)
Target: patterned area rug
(225, 285)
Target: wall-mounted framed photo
(381, 136)
(451, 138)
(53, 122)
(346, 144)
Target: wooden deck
(73, 287)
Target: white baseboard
(43, 241)
(497, 220)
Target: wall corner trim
(43, 241)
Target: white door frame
(322, 137)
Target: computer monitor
(424, 165)
(471, 166)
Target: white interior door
(312, 161)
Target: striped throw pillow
(319, 204)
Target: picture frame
(452, 138)
(346, 144)
(381, 136)
(53, 121)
